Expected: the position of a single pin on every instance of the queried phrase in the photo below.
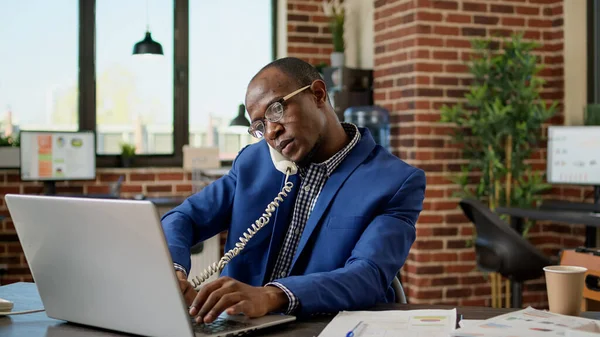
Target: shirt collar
(334, 161)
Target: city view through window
(229, 41)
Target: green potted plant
(592, 114)
(127, 154)
(320, 66)
(336, 13)
(500, 125)
(9, 152)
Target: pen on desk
(351, 332)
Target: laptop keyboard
(219, 325)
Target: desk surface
(25, 297)
(554, 204)
(572, 217)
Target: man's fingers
(226, 301)
(203, 295)
(212, 300)
(241, 307)
(188, 291)
(189, 295)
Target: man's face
(300, 128)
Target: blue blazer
(355, 241)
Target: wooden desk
(25, 297)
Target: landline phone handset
(286, 167)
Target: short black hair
(299, 71)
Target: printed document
(528, 322)
(392, 323)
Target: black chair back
(500, 248)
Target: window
(68, 65)
(134, 94)
(224, 55)
(39, 74)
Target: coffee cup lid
(565, 269)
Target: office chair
(399, 290)
(500, 249)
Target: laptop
(105, 263)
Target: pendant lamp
(240, 120)
(147, 46)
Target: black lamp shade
(240, 120)
(147, 46)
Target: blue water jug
(374, 118)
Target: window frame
(87, 83)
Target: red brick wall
(420, 51)
(309, 36)
(150, 182)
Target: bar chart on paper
(574, 155)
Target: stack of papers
(391, 323)
(463, 323)
(528, 322)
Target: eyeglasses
(273, 114)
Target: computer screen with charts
(55, 156)
(574, 155)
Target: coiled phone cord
(216, 267)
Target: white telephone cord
(216, 267)
(9, 313)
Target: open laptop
(105, 263)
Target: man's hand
(186, 288)
(236, 297)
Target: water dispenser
(374, 118)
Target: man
(337, 239)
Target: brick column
(420, 51)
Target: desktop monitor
(574, 155)
(51, 156)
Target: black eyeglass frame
(257, 128)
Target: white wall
(281, 28)
(359, 33)
(575, 55)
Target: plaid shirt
(313, 180)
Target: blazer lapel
(354, 158)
